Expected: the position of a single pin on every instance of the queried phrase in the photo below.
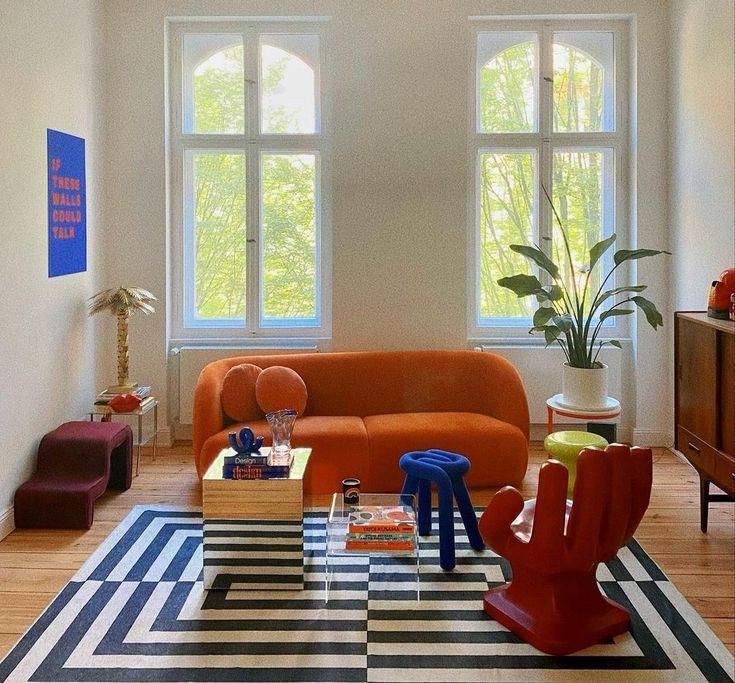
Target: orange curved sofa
(365, 409)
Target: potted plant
(122, 302)
(572, 314)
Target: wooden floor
(35, 565)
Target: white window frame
(545, 141)
(180, 149)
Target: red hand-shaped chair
(554, 547)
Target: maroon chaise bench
(77, 462)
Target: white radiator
(191, 360)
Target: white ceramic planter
(584, 388)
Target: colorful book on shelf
(265, 456)
(105, 397)
(380, 537)
(380, 545)
(255, 471)
(243, 459)
(380, 528)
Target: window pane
(506, 82)
(583, 198)
(214, 86)
(507, 208)
(288, 66)
(219, 235)
(583, 82)
(289, 230)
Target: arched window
(545, 117)
(246, 166)
(288, 84)
(583, 82)
(507, 82)
(214, 84)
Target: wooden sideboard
(704, 386)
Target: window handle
(251, 241)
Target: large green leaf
(623, 255)
(599, 249)
(550, 293)
(563, 322)
(649, 308)
(551, 333)
(538, 257)
(619, 290)
(542, 316)
(521, 285)
(615, 311)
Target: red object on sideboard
(718, 303)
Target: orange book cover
(379, 545)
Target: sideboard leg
(703, 502)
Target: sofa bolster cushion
(497, 451)
(238, 393)
(279, 388)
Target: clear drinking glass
(281, 423)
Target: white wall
(399, 88)
(49, 69)
(703, 146)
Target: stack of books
(380, 527)
(261, 465)
(104, 397)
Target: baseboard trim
(165, 437)
(182, 431)
(7, 522)
(653, 437)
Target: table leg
(703, 503)
(549, 419)
(140, 441)
(155, 430)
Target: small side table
(254, 528)
(151, 403)
(554, 405)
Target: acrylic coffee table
(254, 529)
(338, 525)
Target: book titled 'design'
(256, 466)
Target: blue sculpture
(446, 470)
(245, 441)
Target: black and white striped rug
(137, 611)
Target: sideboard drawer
(725, 473)
(696, 451)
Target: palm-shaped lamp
(121, 302)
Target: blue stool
(446, 470)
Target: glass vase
(281, 423)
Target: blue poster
(67, 204)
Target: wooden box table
(254, 529)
